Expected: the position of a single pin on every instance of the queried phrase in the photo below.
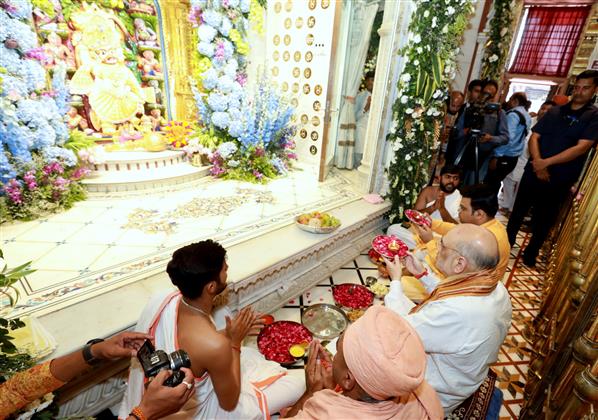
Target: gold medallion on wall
(311, 22)
(306, 89)
(309, 56)
(318, 90)
(275, 71)
(296, 72)
(309, 39)
(276, 40)
(303, 133)
(304, 119)
(294, 102)
(276, 55)
(312, 4)
(299, 23)
(313, 150)
(295, 87)
(285, 86)
(286, 56)
(288, 6)
(277, 7)
(288, 23)
(297, 56)
(307, 73)
(315, 120)
(314, 135)
(317, 106)
(325, 4)
(287, 39)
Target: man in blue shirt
(504, 158)
(558, 149)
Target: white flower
(417, 39)
(445, 29)
(504, 31)
(393, 127)
(406, 77)
(409, 111)
(436, 113)
(437, 94)
(407, 156)
(434, 22)
(450, 10)
(426, 13)
(416, 62)
(419, 50)
(404, 99)
(447, 69)
(410, 168)
(493, 58)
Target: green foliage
(208, 138)
(68, 7)
(436, 31)
(127, 21)
(45, 6)
(13, 363)
(499, 40)
(79, 141)
(150, 20)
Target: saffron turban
(560, 99)
(384, 353)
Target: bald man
(465, 319)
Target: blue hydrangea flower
(206, 33)
(235, 128)
(21, 9)
(228, 49)
(212, 18)
(230, 69)
(206, 49)
(217, 101)
(209, 79)
(199, 3)
(225, 84)
(220, 119)
(233, 3)
(227, 149)
(7, 171)
(245, 4)
(225, 26)
(59, 154)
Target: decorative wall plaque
(289, 5)
(303, 133)
(299, 22)
(296, 72)
(277, 7)
(294, 102)
(295, 87)
(285, 86)
(312, 4)
(309, 39)
(315, 120)
(306, 89)
(274, 71)
(288, 23)
(314, 135)
(276, 40)
(311, 22)
(317, 106)
(325, 4)
(313, 150)
(309, 56)
(307, 73)
(286, 55)
(318, 90)
(276, 55)
(287, 39)
(304, 119)
(297, 56)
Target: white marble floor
(108, 241)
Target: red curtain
(549, 40)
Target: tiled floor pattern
(108, 241)
(513, 359)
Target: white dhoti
(265, 386)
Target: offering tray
(276, 339)
(352, 296)
(419, 218)
(324, 321)
(389, 246)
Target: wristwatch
(87, 356)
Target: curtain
(549, 40)
(359, 41)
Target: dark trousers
(498, 169)
(545, 200)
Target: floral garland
(253, 145)
(435, 34)
(32, 130)
(499, 40)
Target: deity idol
(57, 52)
(145, 36)
(113, 92)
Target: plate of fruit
(389, 246)
(284, 342)
(316, 222)
(352, 296)
(419, 218)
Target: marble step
(148, 179)
(139, 161)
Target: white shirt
(462, 336)
(452, 202)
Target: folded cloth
(373, 198)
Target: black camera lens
(179, 359)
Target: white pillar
(393, 36)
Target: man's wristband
(422, 274)
(87, 356)
(137, 413)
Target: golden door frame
(179, 47)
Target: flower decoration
(177, 133)
(35, 167)
(429, 56)
(500, 35)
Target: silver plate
(324, 321)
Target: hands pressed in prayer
(412, 264)
(159, 401)
(318, 370)
(425, 233)
(245, 321)
(121, 345)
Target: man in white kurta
(467, 316)
(363, 103)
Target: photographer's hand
(485, 138)
(159, 401)
(121, 345)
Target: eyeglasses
(442, 245)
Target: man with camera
(157, 402)
(231, 381)
(480, 129)
(558, 148)
(504, 158)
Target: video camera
(476, 115)
(153, 361)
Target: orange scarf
(480, 283)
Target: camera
(153, 361)
(476, 116)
